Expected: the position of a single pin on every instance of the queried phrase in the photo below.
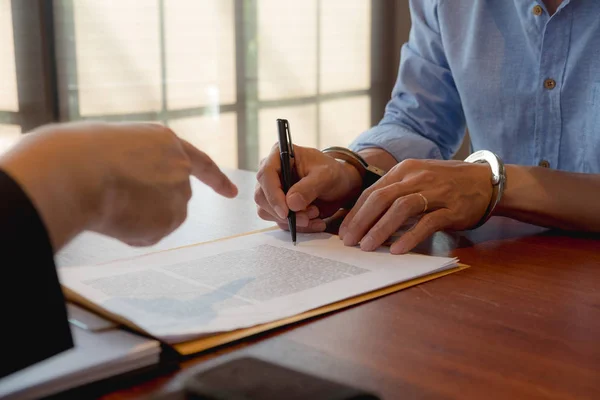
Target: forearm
(552, 198)
(42, 166)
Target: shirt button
(549, 84)
(544, 164)
(538, 10)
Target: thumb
(205, 169)
(315, 184)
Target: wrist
(521, 180)
(369, 173)
(498, 180)
(354, 182)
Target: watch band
(498, 180)
(369, 173)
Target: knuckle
(270, 198)
(409, 163)
(184, 161)
(367, 193)
(392, 171)
(260, 174)
(362, 199)
(187, 192)
(377, 195)
(188, 168)
(381, 195)
(427, 177)
(448, 193)
(263, 214)
(259, 196)
(261, 164)
(399, 205)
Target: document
(190, 292)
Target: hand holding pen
(320, 186)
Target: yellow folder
(217, 339)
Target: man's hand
(457, 195)
(127, 180)
(324, 186)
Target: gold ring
(425, 203)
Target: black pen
(286, 153)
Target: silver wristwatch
(498, 180)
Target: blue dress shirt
(526, 84)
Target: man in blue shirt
(522, 75)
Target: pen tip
(295, 243)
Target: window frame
(60, 103)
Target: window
(218, 72)
(314, 70)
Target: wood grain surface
(522, 322)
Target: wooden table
(522, 322)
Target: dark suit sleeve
(34, 323)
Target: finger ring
(425, 203)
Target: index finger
(205, 169)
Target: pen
(286, 153)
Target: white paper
(184, 293)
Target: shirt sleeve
(424, 118)
(34, 316)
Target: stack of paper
(97, 355)
(246, 281)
